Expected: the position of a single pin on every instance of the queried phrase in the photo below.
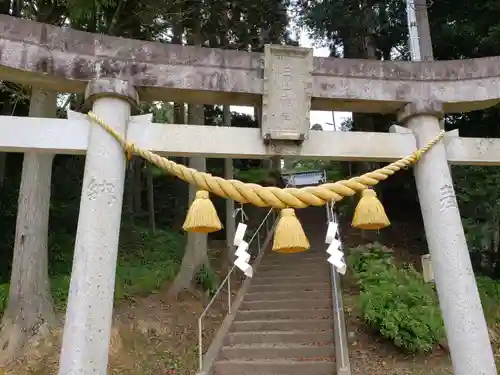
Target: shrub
(207, 279)
(396, 301)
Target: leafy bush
(208, 280)
(396, 301)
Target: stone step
(280, 337)
(283, 272)
(286, 295)
(284, 314)
(318, 278)
(305, 268)
(275, 367)
(316, 261)
(282, 325)
(276, 351)
(289, 287)
(324, 303)
(296, 257)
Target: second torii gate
(288, 82)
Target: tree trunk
(229, 175)
(179, 118)
(29, 310)
(180, 186)
(289, 164)
(363, 46)
(257, 110)
(129, 193)
(276, 163)
(151, 198)
(195, 254)
(137, 165)
(3, 163)
(230, 229)
(7, 109)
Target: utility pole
(419, 30)
(424, 32)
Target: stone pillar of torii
(290, 84)
(90, 301)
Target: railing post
(229, 293)
(200, 343)
(341, 347)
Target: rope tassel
(370, 213)
(202, 215)
(289, 237)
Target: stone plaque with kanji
(287, 92)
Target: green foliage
(396, 301)
(4, 296)
(145, 262)
(479, 199)
(258, 176)
(208, 280)
(489, 290)
(362, 258)
(345, 23)
(466, 31)
(333, 169)
(254, 175)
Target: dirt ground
(151, 335)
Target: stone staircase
(284, 325)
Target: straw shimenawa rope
(268, 196)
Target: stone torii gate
(288, 82)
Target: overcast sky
(321, 117)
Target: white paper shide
(335, 248)
(242, 255)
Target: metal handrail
(271, 213)
(341, 346)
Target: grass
(145, 262)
